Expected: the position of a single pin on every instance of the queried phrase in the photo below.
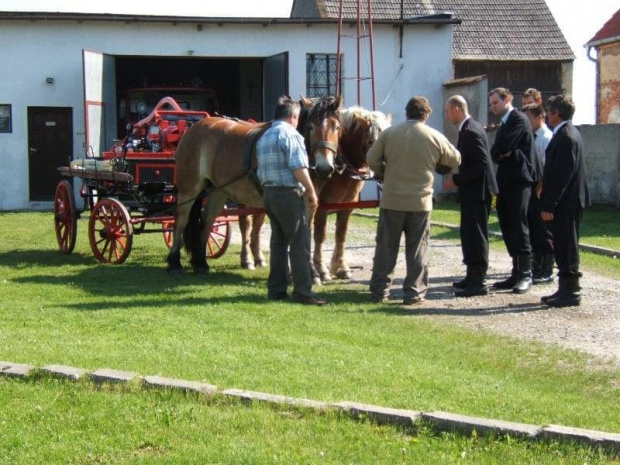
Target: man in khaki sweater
(406, 156)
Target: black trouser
(541, 237)
(565, 227)
(512, 205)
(474, 232)
(290, 234)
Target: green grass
(58, 309)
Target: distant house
(606, 42)
(516, 44)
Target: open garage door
(275, 82)
(99, 101)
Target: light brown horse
(211, 161)
(361, 128)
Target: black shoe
(473, 290)
(524, 275)
(413, 300)
(546, 298)
(567, 299)
(506, 283)
(277, 296)
(308, 300)
(463, 283)
(379, 300)
(542, 279)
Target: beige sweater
(406, 155)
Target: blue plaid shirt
(280, 151)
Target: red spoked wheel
(65, 219)
(167, 228)
(218, 239)
(110, 231)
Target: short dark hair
(285, 107)
(562, 105)
(502, 92)
(535, 109)
(418, 108)
(534, 93)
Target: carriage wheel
(110, 231)
(168, 230)
(65, 219)
(218, 239)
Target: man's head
(500, 101)
(560, 108)
(536, 114)
(418, 108)
(287, 109)
(530, 96)
(456, 109)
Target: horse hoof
(317, 281)
(343, 275)
(261, 264)
(326, 277)
(248, 266)
(201, 271)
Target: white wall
(36, 50)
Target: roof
(516, 30)
(610, 32)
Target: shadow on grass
(44, 258)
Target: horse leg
(181, 215)
(339, 266)
(258, 220)
(320, 232)
(245, 226)
(215, 204)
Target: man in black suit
(476, 183)
(518, 169)
(565, 194)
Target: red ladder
(358, 36)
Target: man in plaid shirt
(283, 173)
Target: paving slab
(15, 370)
(446, 421)
(251, 396)
(381, 415)
(179, 384)
(106, 375)
(610, 441)
(62, 371)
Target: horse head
(320, 125)
(361, 129)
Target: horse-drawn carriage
(179, 168)
(130, 187)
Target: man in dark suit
(565, 194)
(518, 169)
(476, 183)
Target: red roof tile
(610, 30)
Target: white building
(62, 69)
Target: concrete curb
(586, 247)
(439, 421)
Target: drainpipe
(598, 83)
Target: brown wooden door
(50, 145)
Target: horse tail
(191, 234)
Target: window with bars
(321, 75)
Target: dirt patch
(593, 327)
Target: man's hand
(505, 155)
(546, 216)
(312, 199)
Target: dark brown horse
(215, 158)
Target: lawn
(57, 309)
